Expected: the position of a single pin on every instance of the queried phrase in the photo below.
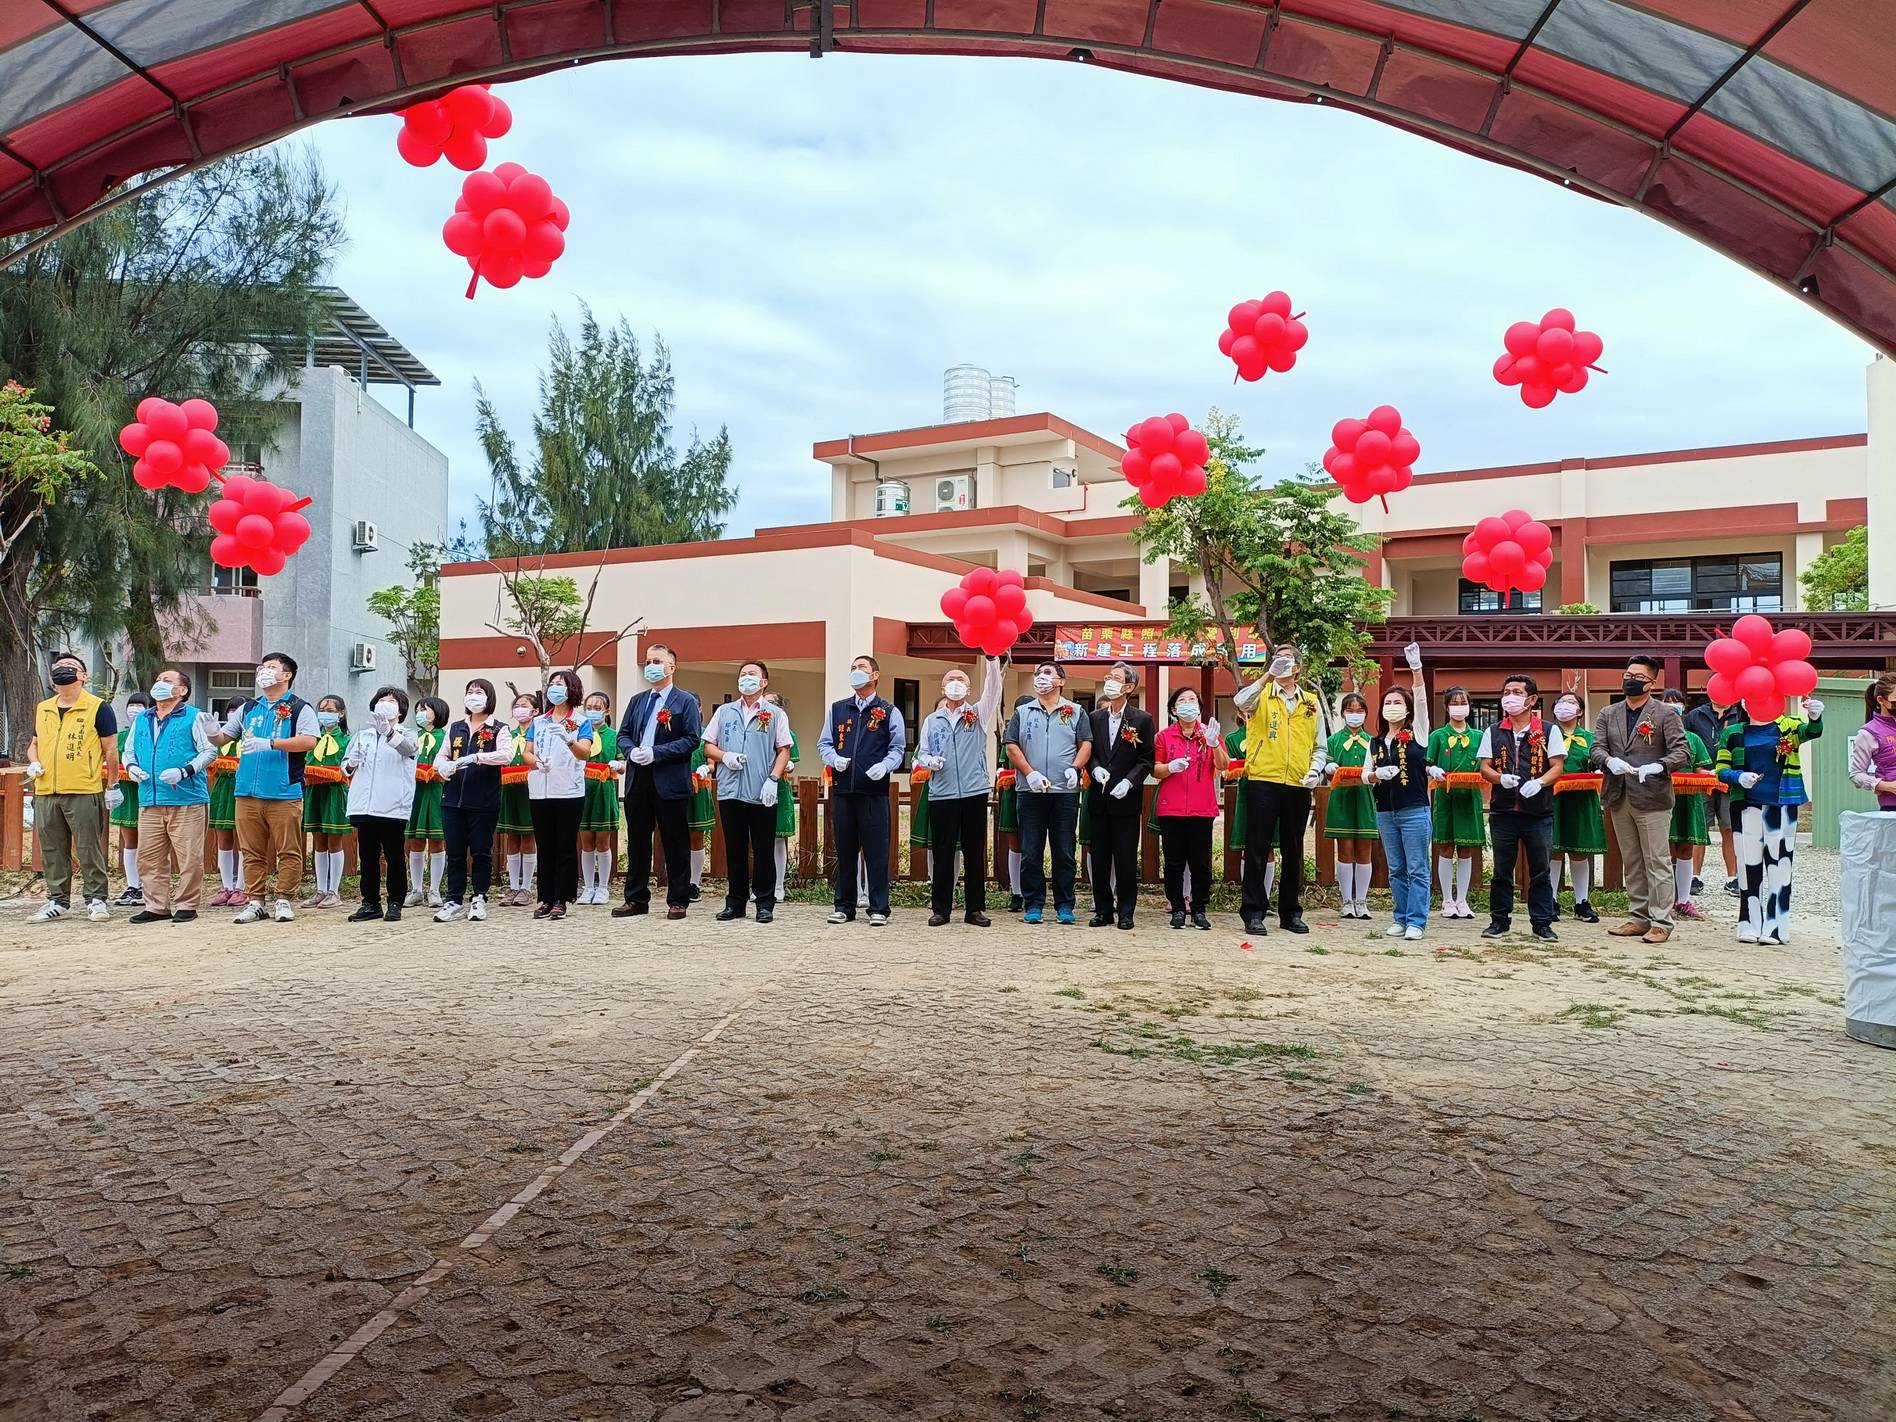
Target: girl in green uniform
(786, 804)
(138, 704)
(1234, 748)
(1579, 822)
(701, 818)
(514, 826)
(1688, 824)
(223, 818)
(1007, 819)
(599, 815)
(1459, 819)
(918, 813)
(1350, 817)
(426, 854)
(326, 800)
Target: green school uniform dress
(223, 776)
(1234, 747)
(326, 801)
(1351, 813)
(1688, 811)
(516, 807)
(1579, 821)
(424, 816)
(787, 795)
(1458, 814)
(600, 813)
(701, 815)
(1006, 813)
(918, 817)
(126, 815)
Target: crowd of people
(432, 797)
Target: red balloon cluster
(1760, 667)
(1547, 357)
(174, 445)
(1165, 458)
(1372, 457)
(257, 525)
(508, 225)
(1263, 335)
(455, 126)
(1512, 551)
(989, 610)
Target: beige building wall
(1881, 382)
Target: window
(1065, 478)
(1476, 599)
(908, 700)
(1721, 582)
(234, 580)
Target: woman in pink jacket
(1189, 766)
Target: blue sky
(818, 239)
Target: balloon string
(301, 504)
(1600, 369)
(1300, 315)
(472, 282)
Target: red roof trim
(968, 432)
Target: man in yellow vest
(73, 763)
(1282, 763)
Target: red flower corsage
(664, 718)
(1129, 736)
(283, 709)
(967, 715)
(1787, 745)
(1403, 737)
(1064, 714)
(1644, 728)
(876, 717)
(763, 720)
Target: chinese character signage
(1146, 642)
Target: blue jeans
(1054, 816)
(1405, 837)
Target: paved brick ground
(936, 1174)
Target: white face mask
(858, 678)
(424, 717)
(1043, 683)
(1353, 719)
(163, 691)
(1565, 711)
(1458, 712)
(955, 690)
(749, 685)
(1514, 705)
(1395, 711)
(135, 711)
(387, 710)
(1188, 710)
(474, 701)
(1113, 690)
(266, 678)
(523, 714)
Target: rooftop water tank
(892, 498)
(966, 394)
(1001, 392)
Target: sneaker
(1066, 916)
(1178, 918)
(238, 898)
(366, 912)
(1413, 935)
(434, 898)
(147, 916)
(477, 908)
(250, 912)
(315, 900)
(1687, 910)
(1731, 887)
(1747, 934)
(696, 894)
(1495, 929)
(1584, 912)
(220, 898)
(1698, 886)
(1546, 934)
(1199, 921)
(131, 898)
(413, 900)
(48, 912)
(1015, 903)
(284, 913)
(1395, 930)
(878, 920)
(448, 912)
(838, 916)
(184, 916)
(1031, 915)
(98, 912)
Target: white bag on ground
(1869, 927)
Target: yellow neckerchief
(327, 745)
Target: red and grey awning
(1765, 127)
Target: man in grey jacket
(1638, 744)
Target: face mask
(1458, 712)
(1043, 683)
(1282, 666)
(135, 711)
(859, 678)
(65, 676)
(523, 714)
(1113, 690)
(326, 719)
(387, 710)
(163, 691)
(1514, 705)
(595, 715)
(1188, 710)
(266, 678)
(655, 672)
(424, 717)
(556, 695)
(1395, 711)
(1633, 685)
(956, 690)
(750, 685)
(1566, 711)
(1353, 719)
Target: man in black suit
(1124, 740)
(660, 731)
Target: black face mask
(1633, 686)
(64, 676)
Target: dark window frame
(1714, 582)
(1470, 597)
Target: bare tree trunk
(20, 680)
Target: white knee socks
(1445, 871)
(529, 867)
(1559, 868)
(1582, 880)
(1013, 872)
(1682, 880)
(132, 881)
(229, 871)
(1185, 886)
(417, 871)
(437, 869)
(329, 866)
(515, 879)
(697, 868)
(1270, 876)
(1464, 871)
(783, 864)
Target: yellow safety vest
(69, 747)
(1280, 738)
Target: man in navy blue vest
(861, 743)
(657, 736)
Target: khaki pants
(68, 825)
(171, 841)
(270, 830)
(1646, 861)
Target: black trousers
(862, 826)
(958, 824)
(1514, 834)
(644, 811)
(378, 839)
(750, 853)
(1115, 845)
(556, 835)
(1185, 843)
(470, 836)
(1274, 815)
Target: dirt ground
(804, 1172)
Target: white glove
(574, 736)
(1813, 709)
(34, 769)
(932, 762)
(641, 755)
(877, 771)
(1099, 774)
(1388, 772)
(1748, 778)
(1437, 773)
(1618, 766)
(769, 793)
(253, 745)
(617, 767)
(1038, 783)
(1072, 778)
(1310, 781)
(1412, 654)
(1119, 791)
(737, 760)
(1179, 766)
(382, 723)
(114, 798)
(1530, 789)
(1211, 728)
(171, 776)
(447, 768)
(842, 762)
(1510, 782)
(1646, 772)
(138, 773)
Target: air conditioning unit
(366, 538)
(954, 492)
(362, 657)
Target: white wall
(1881, 381)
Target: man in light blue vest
(168, 753)
(956, 748)
(748, 740)
(1049, 742)
(277, 729)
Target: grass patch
(1007, 989)
(1216, 1280)
(522, 1148)
(1394, 953)
(1594, 1014)
(1318, 949)
(1118, 1308)
(16, 1272)
(1029, 1405)
(1294, 1075)
(815, 1296)
(936, 1323)
(881, 1157)
(1124, 1275)
(1357, 1088)
(1068, 992)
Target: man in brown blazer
(1638, 743)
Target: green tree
(604, 472)
(1280, 558)
(37, 463)
(204, 286)
(413, 613)
(1839, 581)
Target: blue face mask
(749, 685)
(163, 691)
(326, 719)
(654, 672)
(595, 715)
(556, 695)
(859, 678)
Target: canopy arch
(1765, 128)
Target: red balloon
(1796, 677)
(254, 525)
(1765, 708)
(226, 552)
(254, 531)
(1755, 632)
(1506, 558)
(1372, 457)
(1521, 338)
(1791, 645)
(166, 421)
(464, 149)
(1728, 656)
(1263, 335)
(268, 561)
(164, 458)
(981, 581)
(146, 477)
(292, 531)
(1534, 537)
(1755, 681)
(414, 149)
(1531, 578)
(1025, 620)
(953, 601)
(1008, 577)
(1009, 599)
(457, 125)
(135, 439)
(1165, 459)
(199, 414)
(1546, 358)
(1719, 688)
